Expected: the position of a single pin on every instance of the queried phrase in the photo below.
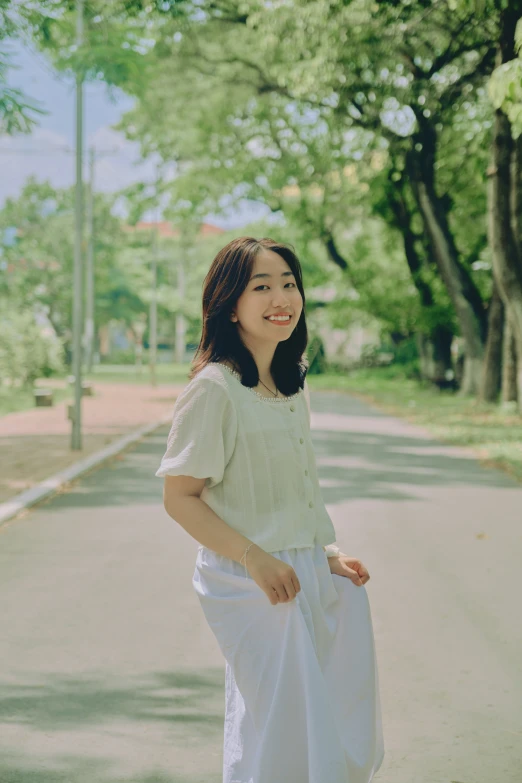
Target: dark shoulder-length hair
(227, 278)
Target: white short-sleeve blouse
(257, 456)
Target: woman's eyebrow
(265, 274)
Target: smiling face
(272, 289)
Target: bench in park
(43, 397)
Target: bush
(27, 349)
(122, 356)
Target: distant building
(167, 231)
(347, 345)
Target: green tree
(37, 258)
(18, 112)
(263, 118)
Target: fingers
(282, 593)
(286, 591)
(354, 576)
(272, 596)
(360, 570)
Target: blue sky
(40, 153)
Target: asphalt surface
(109, 673)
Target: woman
(288, 608)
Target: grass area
(495, 435)
(126, 373)
(13, 400)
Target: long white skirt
(302, 698)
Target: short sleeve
(203, 433)
(306, 391)
(332, 550)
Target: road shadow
(360, 453)
(52, 704)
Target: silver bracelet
(244, 556)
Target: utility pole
(179, 349)
(89, 314)
(76, 432)
(153, 316)
(153, 312)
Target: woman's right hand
(276, 578)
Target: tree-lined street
(383, 140)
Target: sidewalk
(35, 444)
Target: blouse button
(306, 473)
(311, 504)
(301, 440)
(292, 407)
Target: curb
(51, 485)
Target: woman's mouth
(280, 320)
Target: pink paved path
(35, 444)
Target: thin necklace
(270, 390)
(266, 387)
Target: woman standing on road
(289, 610)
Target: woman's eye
(264, 286)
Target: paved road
(110, 674)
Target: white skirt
(302, 698)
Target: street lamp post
(76, 432)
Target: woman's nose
(282, 299)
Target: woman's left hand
(350, 567)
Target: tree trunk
(104, 339)
(435, 356)
(434, 348)
(461, 288)
(492, 372)
(503, 204)
(507, 266)
(516, 192)
(509, 367)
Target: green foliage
(505, 85)
(27, 350)
(312, 128)
(121, 357)
(36, 266)
(114, 40)
(312, 108)
(18, 112)
(505, 92)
